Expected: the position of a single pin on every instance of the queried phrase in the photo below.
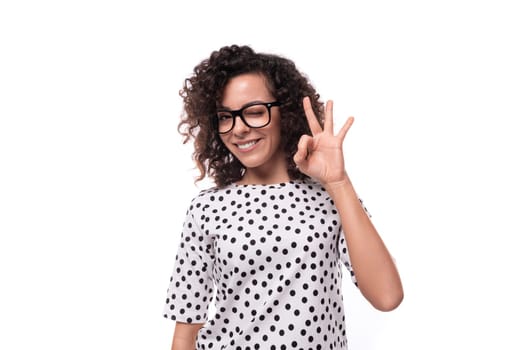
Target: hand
(320, 156)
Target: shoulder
(207, 197)
(308, 185)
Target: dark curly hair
(203, 91)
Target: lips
(247, 145)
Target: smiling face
(258, 149)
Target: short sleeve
(191, 285)
(344, 256)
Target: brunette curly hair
(202, 94)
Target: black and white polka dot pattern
(273, 253)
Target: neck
(268, 174)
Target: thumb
(302, 150)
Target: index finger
(315, 127)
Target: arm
(373, 266)
(320, 156)
(184, 336)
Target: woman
(269, 238)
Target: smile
(247, 145)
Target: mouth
(247, 145)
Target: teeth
(246, 145)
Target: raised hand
(320, 156)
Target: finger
(302, 150)
(329, 117)
(315, 128)
(342, 133)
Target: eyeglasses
(254, 115)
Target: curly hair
(203, 92)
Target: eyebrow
(244, 105)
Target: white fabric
(273, 253)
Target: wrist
(336, 185)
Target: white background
(95, 182)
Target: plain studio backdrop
(95, 181)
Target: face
(258, 149)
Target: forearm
(184, 336)
(373, 265)
(183, 344)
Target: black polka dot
(273, 256)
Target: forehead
(244, 89)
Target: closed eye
(254, 113)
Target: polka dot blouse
(272, 254)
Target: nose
(239, 127)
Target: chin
(251, 164)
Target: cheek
(277, 136)
(224, 140)
(276, 133)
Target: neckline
(270, 185)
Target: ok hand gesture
(320, 156)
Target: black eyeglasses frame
(238, 113)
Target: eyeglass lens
(255, 116)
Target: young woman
(270, 236)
